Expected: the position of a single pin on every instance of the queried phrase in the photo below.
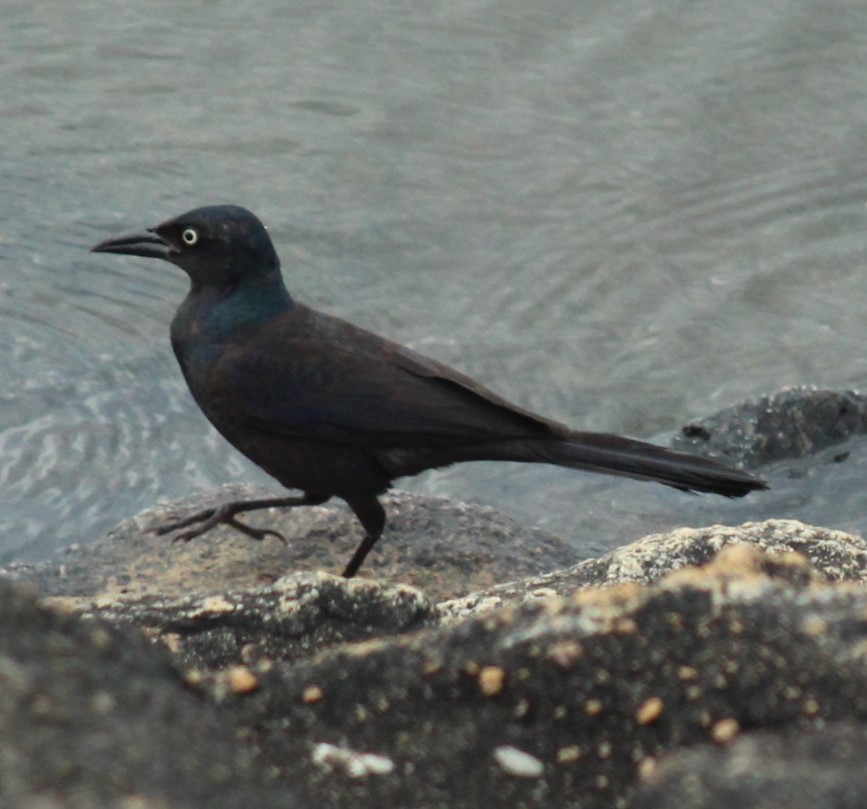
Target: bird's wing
(327, 380)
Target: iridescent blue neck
(224, 311)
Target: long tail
(627, 457)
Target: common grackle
(333, 410)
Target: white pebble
(517, 762)
(353, 763)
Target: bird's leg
(360, 553)
(372, 516)
(209, 518)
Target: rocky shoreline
(696, 668)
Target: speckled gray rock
(552, 702)
(562, 702)
(821, 768)
(302, 613)
(93, 716)
(294, 617)
(836, 556)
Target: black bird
(333, 410)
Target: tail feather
(627, 457)
(594, 452)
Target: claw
(174, 525)
(255, 533)
(210, 518)
(204, 521)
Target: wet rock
(791, 423)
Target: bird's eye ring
(190, 236)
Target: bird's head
(216, 246)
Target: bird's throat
(218, 312)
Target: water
(623, 215)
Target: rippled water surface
(622, 215)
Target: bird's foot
(204, 521)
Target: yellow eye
(190, 236)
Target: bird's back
(306, 374)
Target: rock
(795, 769)
(95, 716)
(565, 701)
(292, 618)
(350, 693)
(791, 423)
(306, 612)
(447, 548)
(837, 556)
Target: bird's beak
(138, 243)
